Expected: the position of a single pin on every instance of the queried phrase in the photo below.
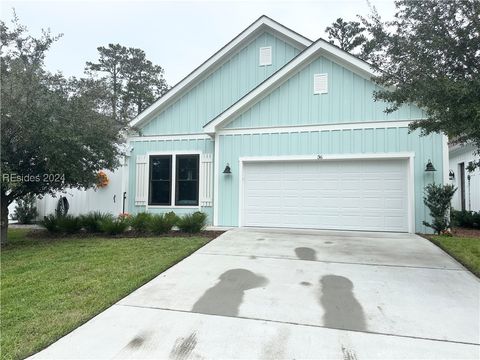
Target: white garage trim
(409, 156)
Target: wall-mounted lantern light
(430, 166)
(451, 175)
(227, 169)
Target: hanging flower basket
(102, 179)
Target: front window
(182, 182)
(186, 180)
(160, 180)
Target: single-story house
(465, 177)
(277, 130)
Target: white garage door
(346, 195)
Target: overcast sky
(178, 35)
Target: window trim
(174, 154)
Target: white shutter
(206, 176)
(320, 83)
(265, 56)
(141, 180)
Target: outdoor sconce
(451, 175)
(227, 169)
(430, 166)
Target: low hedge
(97, 222)
(466, 219)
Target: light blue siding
(356, 141)
(349, 99)
(232, 80)
(144, 147)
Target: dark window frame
(150, 173)
(177, 169)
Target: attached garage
(349, 194)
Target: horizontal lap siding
(240, 74)
(356, 141)
(349, 99)
(143, 147)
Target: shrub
(50, 222)
(114, 226)
(466, 219)
(141, 221)
(162, 223)
(192, 223)
(437, 198)
(91, 221)
(69, 224)
(25, 211)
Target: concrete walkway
(275, 294)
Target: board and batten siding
(220, 89)
(143, 147)
(350, 141)
(349, 99)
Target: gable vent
(265, 56)
(320, 83)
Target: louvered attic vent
(265, 56)
(320, 83)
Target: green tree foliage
(437, 198)
(347, 35)
(430, 55)
(53, 136)
(132, 81)
(25, 212)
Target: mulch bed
(464, 232)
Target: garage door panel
(354, 195)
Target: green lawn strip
(465, 250)
(50, 287)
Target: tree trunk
(4, 222)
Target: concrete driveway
(274, 294)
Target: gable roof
(320, 46)
(261, 24)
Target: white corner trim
(409, 156)
(216, 170)
(170, 137)
(315, 128)
(281, 75)
(262, 22)
(446, 159)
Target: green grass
(50, 287)
(465, 249)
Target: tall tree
(134, 82)
(348, 35)
(52, 136)
(429, 54)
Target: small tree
(25, 211)
(437, 198)
(53, 136)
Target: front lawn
(465, 249)
(51, 286)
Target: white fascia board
(262, 22)
(170, 137)
(280, 76)
(317, 127)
